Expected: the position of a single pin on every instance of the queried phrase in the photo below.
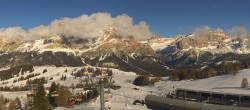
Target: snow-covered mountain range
(153, 56)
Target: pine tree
(110, 72)
(64, 78)
(142, 80)
(53, 88)
(58, 86)
(72, 86)
(45, 70)
(40, 100)
(31, 70)
(18, 102)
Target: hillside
(126, 95)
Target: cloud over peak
(237, 31)
(84, 26)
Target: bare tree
(12, 105)
(2, 103)
(64, 93)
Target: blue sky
(165, 17)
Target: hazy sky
(164, 17)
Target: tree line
(93, 71)
(57, 96)
(26, 87)
(7, 104)
(146, 80)
(223, 68)
(15, 70)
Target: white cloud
(239, 31)
(204, 31)
(201, 31)
(13, 32)
(85, 26)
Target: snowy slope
(224, 83)
(159, 44)
(123, 98)
(117, 101)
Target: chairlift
(90, 88)
(54, 94)
(29, 95)
(74, 100)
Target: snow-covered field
(123, 98)
(223, 83)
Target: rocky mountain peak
(107, 34)
(112, 42)
(10, 44)
(201, 41)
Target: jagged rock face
(197, 50)
(117, 45)
(186, 52)
(125, 53)
(60, 42)
(200, 41)
(8, 44)
(183, 58)
(112, 43)
(112, 49)
(54, 43)
(184, 43)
